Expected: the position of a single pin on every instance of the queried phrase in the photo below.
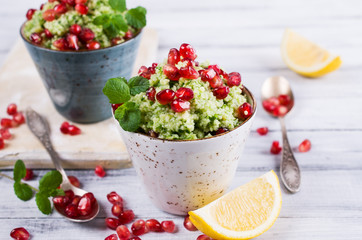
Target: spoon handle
(39, 126)
(289, 169)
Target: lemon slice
(244, 213)
(305, 57)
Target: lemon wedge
(305, 57)
(243, 213)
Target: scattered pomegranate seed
(86, 35)
(168, 226)
(73, 130)
(187, 52)
(151, 93)
(74, 181)
(207, 74)
(81, 1)
(171, 72)
(112, 223)
(234, 79)
(20, 234)
(284, 99)
(123, 232)
(112, 237)
(275, 148)
(75, 29)
(153, 225)
(280, 111)
(305, 146)
(6, 123)
(144, 72)
(189, 72)
(12, 109)
(165, 96)
(64, 128)
(5, 133)
(81, 8)
(221, 92)
(221, 130)
(245, 111)
(30, 13)
(61, 44)
(262, 131)
(36, 38)
(29, 175)
(185, 93)
(128, 35)
(69, 194)
(76, 200)
(61, 201)
(19, 118)
(93, 45)
(189, 225)
(2, 144)
(173, 56)
(216, 82)
(114, 198)
(126, 217)
(139, 227)
(203, 237)
(72, 41)
(179, 105)
(216, 68)
(115, 106)
(47, 33)
(117, 209)
(71, 211)
(84, 206)
(60, 9)
(49, 15)
(99, 171)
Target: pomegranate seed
(61, 44)
(36, 38)
(86, 35)
(76, 200)
(234, 79)
(91, 197)
(2, 144)
(123, 232)
(280, 111)
(81, 8)
(80, 1)
(72, 211)
(73, 130)
(216, 82)
(60, 9)
(171, 72)
(114, 198)
(165, 96)
(69, 194)
(49, 15)
(275, 148)
(70, 2)
(112, 237)
(187, 52)
(144, 72)
(216, 68)
(20, 234)
(126, 217)
(221, 92)
(117, 209)
(74, 181)
(139, 227)
(93, 45)
(75, 29)
(151, 93)
(284, 99)
(305, 146)
(154, 65)
(173, 56)
(72, 41)
(99, 171)
(64, 128)
(189, 225)
(84, 206)
(221, 130)
(179, 105)
(29, 175)
(208, 74)
(42, 6)
(128, 35)
(188, 63)
(61, 201)
(30, 13)
(153, 225)
(5, 133)
(112, 223)
(115, 106)
(19, 118)
(245, 111)
(6, 123)
(262, 131)
(168, 226)
(47, 33)
(117, 40)
(12, 109)
(189, 72)
(203, 237)
(185, 93)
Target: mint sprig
(138, 84)
(136, 17)
(117, 90)
(119, 5)
(128, 116)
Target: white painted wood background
(243, 36)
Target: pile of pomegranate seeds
(275, 148)
(278, 106)
(305, 146)
(72, 130)
(20, 234)
(99, 171)
(262, 131)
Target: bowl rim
(85, 51)
(250, 99)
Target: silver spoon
(289, 169)
(39, 126)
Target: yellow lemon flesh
(243, 213)
(305, 57)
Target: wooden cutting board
(99, 143)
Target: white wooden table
(243, 36)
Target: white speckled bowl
(184, 175)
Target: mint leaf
(43, 203)
(120, 23)
(138, 84)
(102, 20)
(50, 181)
(117, 90)
(111, 30)
(23, 191)
(19, 170)
(118, 5)
(129, 116)
(56, 192)
(136, 17)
